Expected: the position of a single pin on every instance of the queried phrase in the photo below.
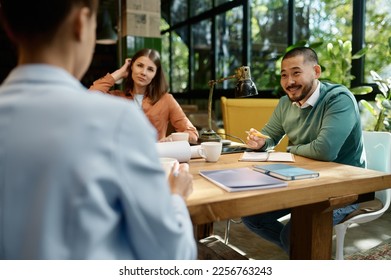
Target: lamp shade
(106, 34)
(245, 86)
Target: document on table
(241, 179)
(267, 156)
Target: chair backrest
(378, 150)
(241, 114)
(377, 146)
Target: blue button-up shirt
(80, 176)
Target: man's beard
(304, 93)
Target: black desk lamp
(244, 88)
(105, 32)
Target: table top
(209, 203)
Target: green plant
(381, 109)
(337, 65)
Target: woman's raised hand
(122, 72)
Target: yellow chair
(241, 114)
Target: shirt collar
(312, 100)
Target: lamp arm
(212, 84)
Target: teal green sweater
(329, 131)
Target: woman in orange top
(146, 85)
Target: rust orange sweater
(166, 110)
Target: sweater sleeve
(274, 128)
(336, 124)
(180, 122)
(158, 224)
(103, 84)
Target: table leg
(203, 231)
(311, 233)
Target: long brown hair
(158, 86)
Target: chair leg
(226, 233)
(340, 231)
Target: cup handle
(201, 152)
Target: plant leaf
(360, 53)
(368, 106)
(362, 90)
(380, 82)
(316, 44)
(389, 44)
(347, 48)
(386, 104)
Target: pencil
(258, 134)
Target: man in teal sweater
(322, 122)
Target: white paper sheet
(177, 149)
(194, 151)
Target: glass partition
(206, 38)
(202, 48)
(200, 6)
(269, 23)
(229, 45)
(377, 37)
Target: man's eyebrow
(293, 68)
(296, 68)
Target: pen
(258, 134)
(175, 169)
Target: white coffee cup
(210, 151)
(167, 164)
(180, 136)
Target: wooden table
(311, 200)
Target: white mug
(180, 136)
(210, 151)
(167, 164)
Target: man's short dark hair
(308, 54)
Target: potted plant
(337, 65)
(377, 113)
(380, 109)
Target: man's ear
(318, 71)
(80, 21)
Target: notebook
(286, 171)
(267, 156)
(241, 179)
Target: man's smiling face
(299, 78)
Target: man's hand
(255, 139)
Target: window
(377, 36)
(229, 45)
(199, 6)
(221, 35)
(202, 48)
(269, 24)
